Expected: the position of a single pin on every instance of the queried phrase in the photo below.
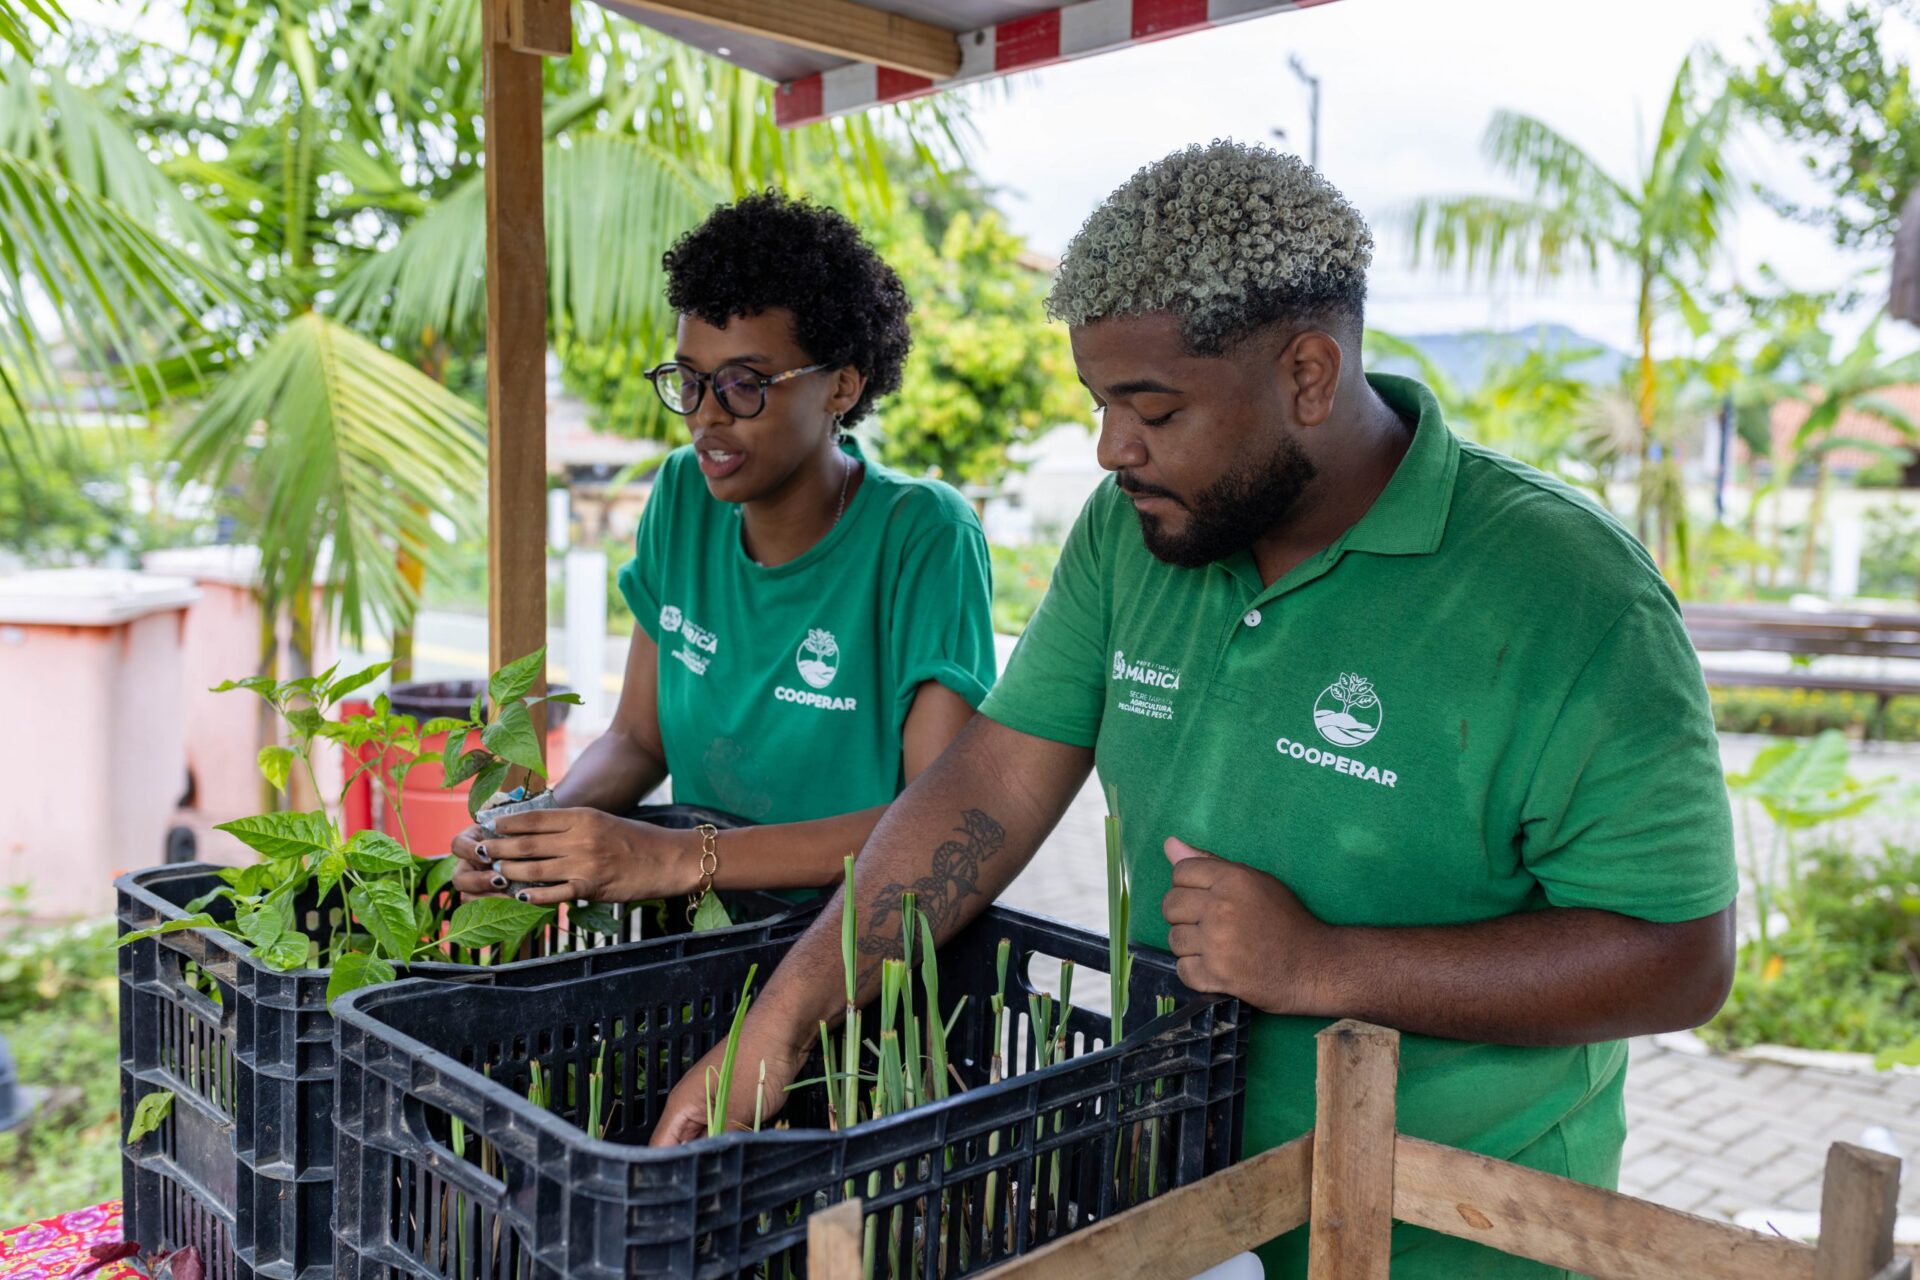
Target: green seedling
(720, 1093)
(395, 907)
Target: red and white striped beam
(1024, 44)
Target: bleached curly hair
(1229, 237)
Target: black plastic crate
(243, 1168)
(554, 1202)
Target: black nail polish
(499, 882)
(522, 895)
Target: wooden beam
(516, 350)
(1859, 1199)
(833, 1242)
(838, 27)
(1351, 1234)
(1569, 1224)
(1186, 1230)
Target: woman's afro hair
(1229, 238)
(772, 250)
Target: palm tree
(1531, 408)
(1833, 388)
(1662, 225)
(330, 150)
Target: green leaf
(262, 685)
(495, 922)
(275, 762)
(208, 898)
(514, 680)
(467, 766)
(440, 874)
(477, 708)
(284, 835)
(386, 911)
(571, 699)
(354, 970)
(327, 874)
(304, 721)
(710, 914)
(200, 921)
(444, 724)
(265, 923)
(374, 853)
(595, 917)
(511, 737)
(149, 1113)
(288, 952)
(485, 783)
(358, 680)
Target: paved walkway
(1706, 1134)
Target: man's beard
(1230, 513)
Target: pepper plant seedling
(396, 908)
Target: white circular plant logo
(1348, 712)
(819, 658)
(669, 618)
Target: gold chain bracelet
(709, 864)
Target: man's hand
(581, 853)
(684, 1117)
(1240, 932)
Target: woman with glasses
(814, 628)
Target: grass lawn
(58, 996)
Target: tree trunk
(300, 789)
(1816, 512)
(268, 724)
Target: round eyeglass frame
(701, 381)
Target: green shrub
(1841, 974)
(1020, 578)
(58, 997)
(1797, 713)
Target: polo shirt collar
(1410, 515)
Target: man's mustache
(1130, 484)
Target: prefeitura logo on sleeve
(1348, 713)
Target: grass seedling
(850, 1057)
(997, 1069)
(721, 1092)
(1162, 1006)
(539, 1085)
(597, 1096)
(1119, 923)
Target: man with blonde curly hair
(1397, 728)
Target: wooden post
(1351, 1225)
(833, 1242)
(517, 332)
(1859, 1199)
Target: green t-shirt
(1480, 700)
(783, 691)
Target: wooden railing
(1355, 1174)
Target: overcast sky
(1407, 87)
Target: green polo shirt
(784, 691)
(1480, 700)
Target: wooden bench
(1770, 629)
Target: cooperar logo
(819, 658)
(669, 618)
(1348, 712)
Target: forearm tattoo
(939, 895)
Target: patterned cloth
(53, 1248)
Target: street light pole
(1313, 108)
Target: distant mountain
(1466, 357)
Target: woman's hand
(684, 1117)
(579, 853)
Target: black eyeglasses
(741, 391)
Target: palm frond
(124, 296)
(337, 443)
(1558, 170)
(614, 205)
(15, 16)
(1488, 236)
